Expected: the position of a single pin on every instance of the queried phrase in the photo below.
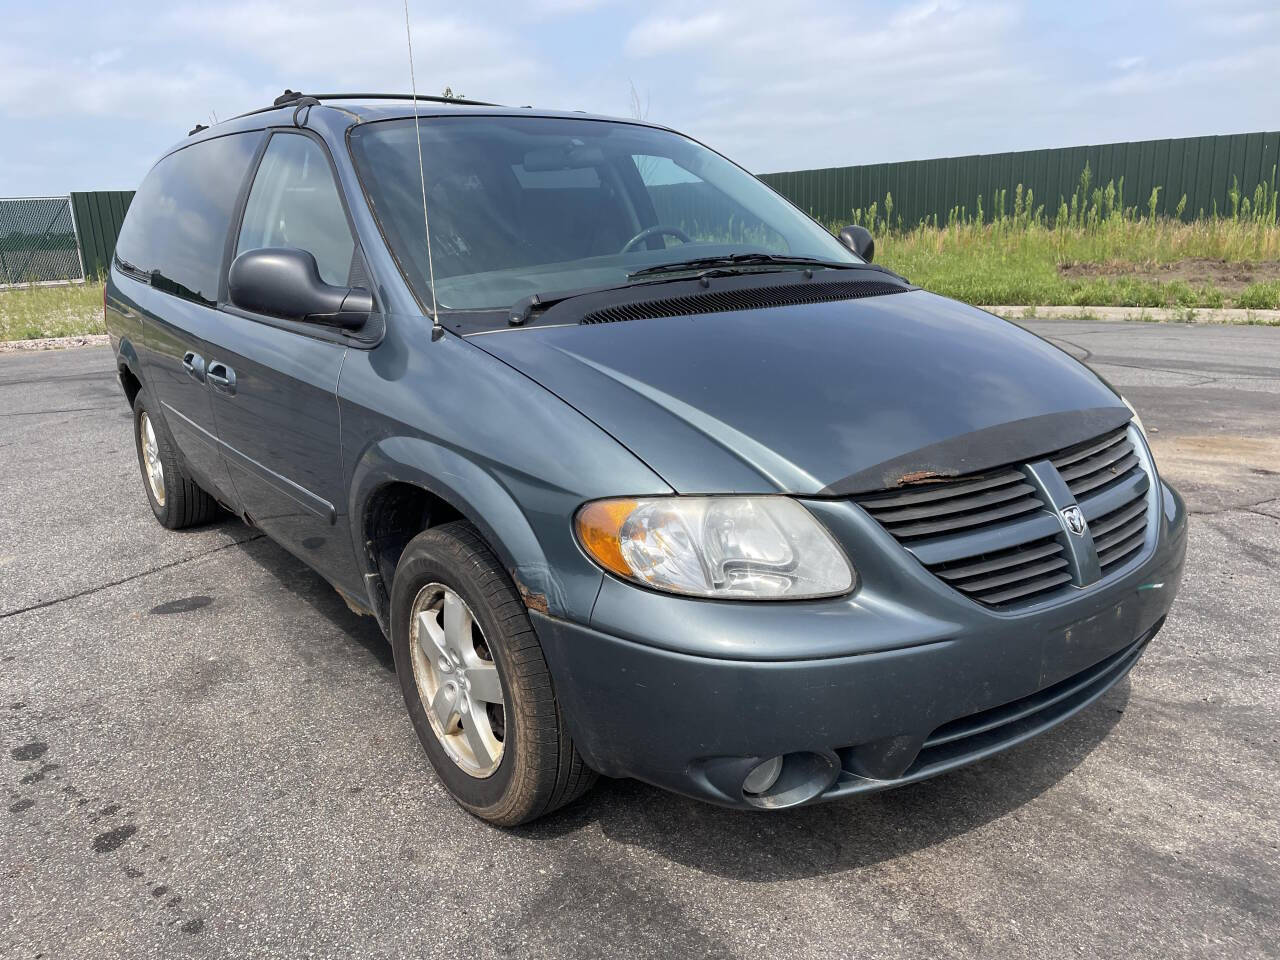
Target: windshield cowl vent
(750, 298)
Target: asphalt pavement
(205, 753)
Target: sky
(91, 93)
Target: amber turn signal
(600, 532)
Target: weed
(1260, 296)
(1004, 253)
(63, 310)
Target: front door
(274, 384)
(176, 350)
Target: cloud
(787, 86)
(659, 35)
(827, 82)
(839, 82)
(1232, 19)
(1189, 75)
(563, 7)
(467, 54)
(116, 86)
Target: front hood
(826, 399)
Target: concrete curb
(54, 343)
(1222, 315)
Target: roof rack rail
(293, 98)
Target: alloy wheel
(151, 458)
(457, 680)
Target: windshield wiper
(523, 310)
(742, 260)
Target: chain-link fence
(38, 241)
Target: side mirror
(286, 283)
(859, 240)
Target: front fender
(445, 416)
(565, 589)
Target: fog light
(763, 776)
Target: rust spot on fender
(532, 600)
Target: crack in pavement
(1199, 377)
(1242, 508)
(1071, 343)
(63, 378)
(133, 576)
(42, 413)
(1197, 368)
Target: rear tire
(176, 500)
(524, 764)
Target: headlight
(753, 548)
(1136, 419)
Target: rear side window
(176, 228)
(295, 203)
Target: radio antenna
(436, 329)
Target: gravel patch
(54, 343)
(1202, 315)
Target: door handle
(193, 363)
(221, 377)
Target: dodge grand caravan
(642, 472)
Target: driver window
(683, 199)
(295, 203)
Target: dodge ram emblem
(1074, 520)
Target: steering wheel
(657, 230)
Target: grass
(1016, 253)
(1260, 296)
(68, 310)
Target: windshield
(533, 205)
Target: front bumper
(926, 681)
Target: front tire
(475, 682)
(176, 500)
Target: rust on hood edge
(922, 476)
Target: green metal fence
(1203, 169)
(37, 241)
(98, 218)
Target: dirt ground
(1229, 277)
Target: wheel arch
(128, 369)
(404, 485)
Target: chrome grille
(1096, 463)
(1009, 575)
(1110, 486)
(954, 505)
(986, 535)
(1121, 532)
(995, 539)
